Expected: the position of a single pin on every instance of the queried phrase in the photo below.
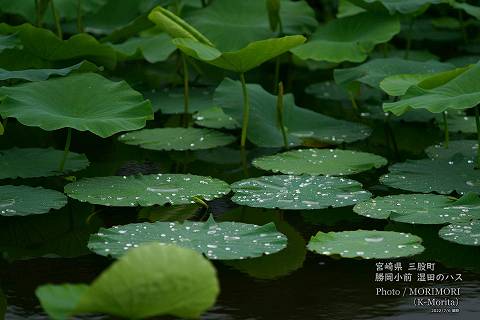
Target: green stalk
(3, 126)
(79, 17)
(185, 91)
(477, 121)
(246, 111)
(280, 114)
(66, 150)
(353, 101)
(57, 19)
(409, 38)
(445, 129)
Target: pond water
(292, 284)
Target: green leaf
(215, 118)
(175, 26)
(242, 60)
(397, 6)
(442, 175)
(465, 233)
(474, 11)
(366, 244)
(329, 90)
(273, 9)
(86, 102)
(43, 44)
(170, 101)
(349, 39)
(346, 8)
(176, 139)
(146, 190)
(461, 92)
(248, 21)
(24, 200)
(44, 74)
(9, 41)
(301, 123)
(320, 162)
(421, 208)
(374, 71)
(223, 241)
(153, 49)
(465, 148)
(185, 282)
(36, 162)
(298, 192)
(458, 122)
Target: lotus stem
(409, 39)
(353, 101)
(57, 19)
(79, 17)
(477, 121)
(66, 150)
(185, 91)
(246, 111)
(445, 129)
(280, 114)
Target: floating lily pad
(350, 38)
(442, 175)
(146, 190)
(329, 90)
(301, 123)
(421, 208)
(149, 281)
(36, 162)
(298, 192)
(86, 102)
(466, 148)
(24, 200)
(215, 118)
(366, 244)
(223, 241)
(320, 161)
(176, 139)
(170, 101)
(466, 233)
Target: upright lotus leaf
(44, 74)
(349, 39)
(9, 41)
(302, 124)
(442, 175)
(146, 190)
(223, 241)
(86, 102)
(298, 192)
(320, 162)
(375, 70)
(248, 20)
(176, 139)
(242, 60)
(24, 200)
(170, 101)
(421, 208)
(154, 48)
(398, 85)
(466, 233)
(397, 6)
(175, 26)
(366, 244)
(36, 162)
(43, 44)
(461, 92)
(151, 280)
(347, 8)
(472, 10)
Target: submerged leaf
(366, 244)
(24, 200)
(223, 240)
(146, 190)
(298, 192)
(320, 162)
(36, 162)
(86, 102)
(149, 281)
(176, 139)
